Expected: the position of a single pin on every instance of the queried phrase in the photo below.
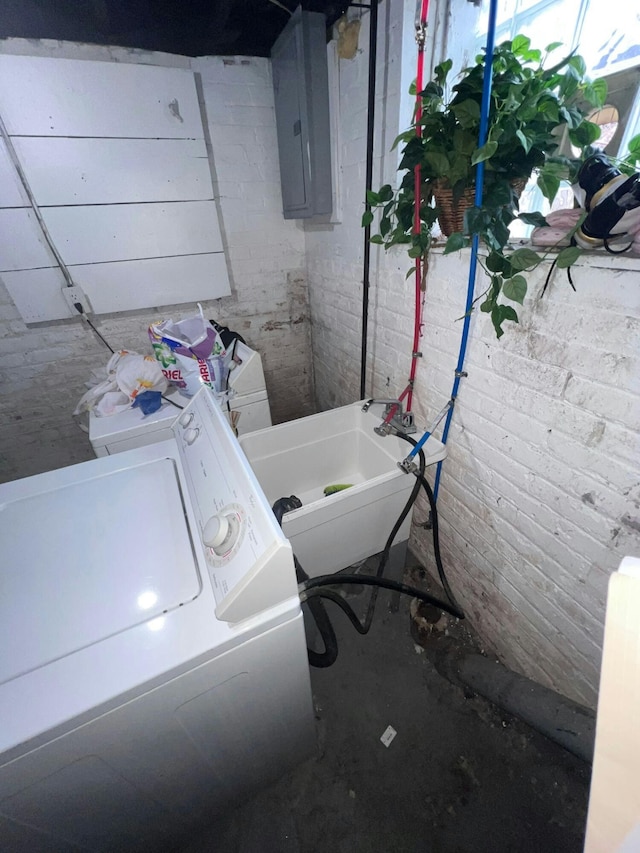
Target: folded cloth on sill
(559, 224)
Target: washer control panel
(241, 540)
(223, 534)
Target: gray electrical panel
(301, 89)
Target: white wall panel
(85, 235)
(101, 171)
(22, 245)
(154, 282)
(115, 157)
(71, 97)
(12, 193)
(37, 294)
(123, 286)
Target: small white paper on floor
(388, 735)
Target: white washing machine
(130, 429)
(154, 665)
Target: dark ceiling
(188, 27)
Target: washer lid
(91, 559)
(130, 423)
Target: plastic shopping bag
(127, 376)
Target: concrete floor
(459, 776)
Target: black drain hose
(316, 607)
(313, 589)
(456, 610)
(323, 624)
(435, 532)
(387, 548)
(316, 587)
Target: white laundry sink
(304, 456)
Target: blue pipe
(473, 264)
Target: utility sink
(339, 446)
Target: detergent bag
(191, 353)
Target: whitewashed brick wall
(43, 369)
(540, 493)
(269, 303)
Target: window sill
(597, 258)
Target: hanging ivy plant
(532, 110)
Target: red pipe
(417, 173)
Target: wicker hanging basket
(451, 210)
(518, 185)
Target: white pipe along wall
(540, 492)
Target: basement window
(608, 38)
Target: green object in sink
(337, 487)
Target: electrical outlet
(76, 295)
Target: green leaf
(497, 192)
(515, 288)
(432, 91)
(372, 197)
(548, 184)
(550, 110)
(520, 44)
(475, 220)
(385, 226)
(535, 218)
(634, 147)
(500, 313)
(551, 72)
(495, 262)
(467, 113)
(454, 243)
(585, 133)
(385, 193)
(367, 218)
(492, 296)
(484, 153)
(405, 136)
(438, 162)
(568, 256)
(578, 63)
(532, 56)
(596, 92)
(410, 272)
(526, 141)
(497, 236)
(377, 239)
(415, 252)
(442, 70)
(524, 259)
(553, 46)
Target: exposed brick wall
(541, 488)
(540, 492)
(43, 369)
(335, 253)
(269, 302)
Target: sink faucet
(394, 417)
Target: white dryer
(130, 429)
(154, 664)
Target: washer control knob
(185, 420)
(219, 534)
(191, 434)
